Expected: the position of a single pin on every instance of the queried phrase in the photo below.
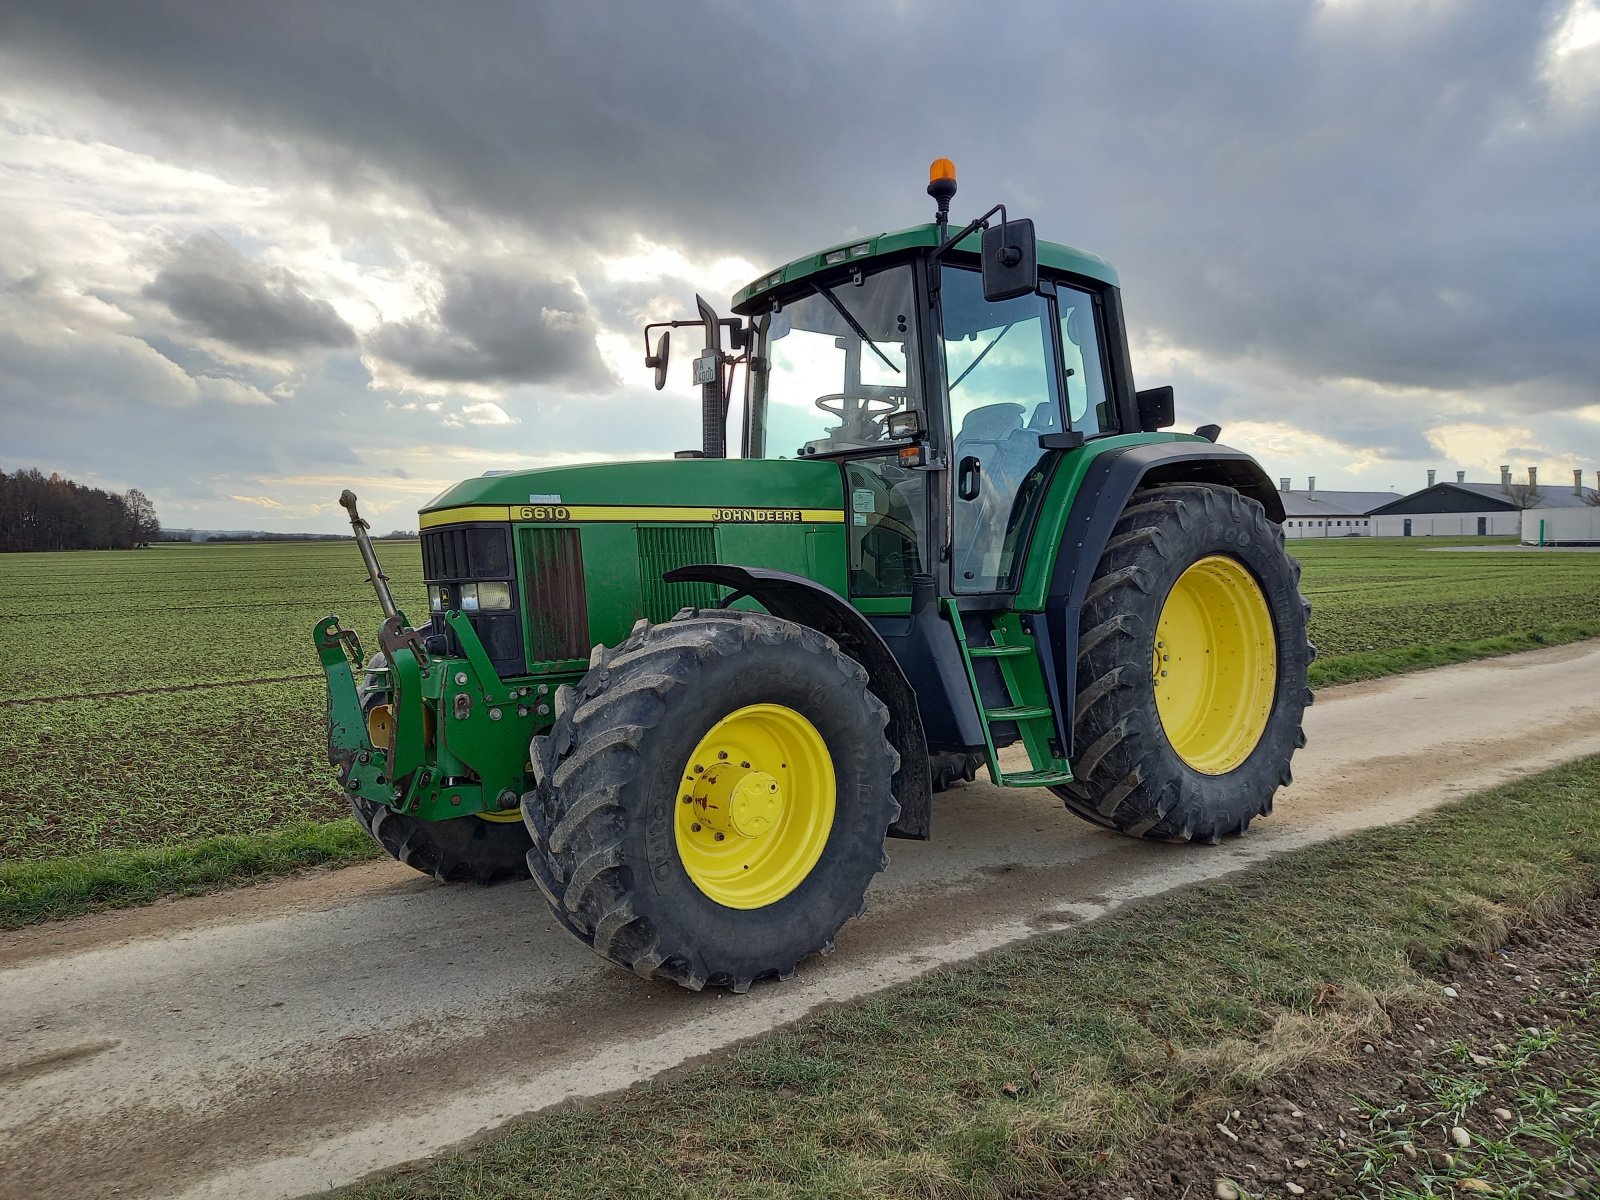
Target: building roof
(1482, 497)
(1548, 496)
(1333, 504)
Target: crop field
(154, 697)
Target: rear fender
(806, 602)
(1109, 483)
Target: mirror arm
(970, 228)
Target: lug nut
(695, 828)
(717, 836)
(745, 765)
(722, 754)
(688, 799)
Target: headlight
(494, 596)
(471, 597)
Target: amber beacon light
(942, 186)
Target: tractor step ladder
(1013, 650)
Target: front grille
(466, 552)
(663, 547)
(474, 554)
(558, 602)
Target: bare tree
(147, 527)
(1524, 495)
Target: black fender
(807, 602)
(1111, 481)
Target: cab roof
(1052, 257)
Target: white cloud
(484, 412)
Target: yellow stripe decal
(556, 513)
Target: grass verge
(1371, 664)
(1050, 1061)
(49, 889)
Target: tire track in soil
(158, 691)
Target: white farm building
(1463, 509)
(1314, 514)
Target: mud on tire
(1129, 777)
(610, 771)
(463, 850)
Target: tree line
(48, 512)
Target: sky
(254, 253)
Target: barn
(1314, 514)
(1463, 509)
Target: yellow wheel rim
(755, 806)
(1215, 665)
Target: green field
(155, 697)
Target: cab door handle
(969, 477)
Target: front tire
(1191, 669)
(713, 799)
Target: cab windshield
(839, 359)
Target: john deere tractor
(692, 697)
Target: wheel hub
(737, 799)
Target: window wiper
(973, 364)
(853, 323)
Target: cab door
(1009, 366)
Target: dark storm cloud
(492, 327)
(223, 294)
(1384, 193)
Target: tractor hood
(735, 491)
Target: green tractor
(692, 697)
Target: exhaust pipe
(708, 374)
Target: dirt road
(273, 1041)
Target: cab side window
(1089, 408)
(1000, 366)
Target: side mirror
(1010, 260)
(1155, 408)
(658, 360)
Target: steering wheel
(887, 404)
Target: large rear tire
(473, 849)
(713, 799)
(1191, 668)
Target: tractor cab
(944, 373)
